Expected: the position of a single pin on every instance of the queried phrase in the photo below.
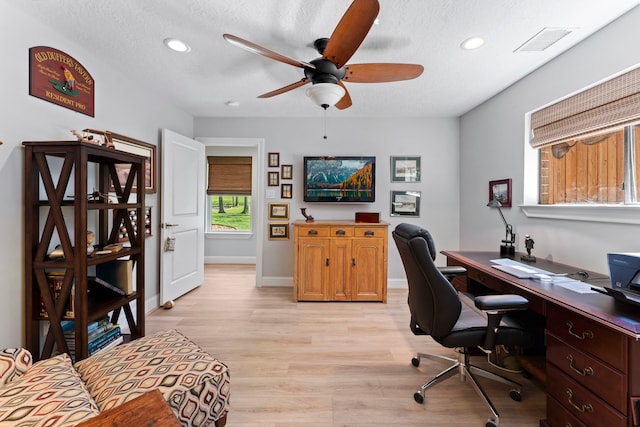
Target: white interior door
(182, 216)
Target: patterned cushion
(195, 385)
(13, 363)
(49, 394)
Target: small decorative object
(278, 231)
(83, 137)
(278, 211)
(114, 247)
(528, 243)
(405, 203)
(286, 191)
(103, 136)
(368, 217)
(90, 236)
(56, 253)
(405, 169)
(287, 172)
(274, 160)
(500, 190)
(308, 218)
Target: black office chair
(437, 310)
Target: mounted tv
(340, 179)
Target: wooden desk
(592, 341)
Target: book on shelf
(98, 284)
(118, 273)
(55, 280)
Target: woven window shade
(601, 108)
(229, 175)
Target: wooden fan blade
(287, 88)
(345, 101)
(351, 31)
(381, 72)
(254, 48)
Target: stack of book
(103, 335)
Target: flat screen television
(340, 179)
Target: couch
(56, 392)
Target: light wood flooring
(328, 364)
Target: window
(588, 145)
(229, 194)
(600, 169)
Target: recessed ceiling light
(472, 43)
(177, 45)
(232, 103)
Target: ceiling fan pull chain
(325, 124)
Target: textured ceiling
(427, 32)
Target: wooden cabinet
(60, 208)
(340, 261)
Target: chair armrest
(495, 306)
(506, 302)
(451, 271)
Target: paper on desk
(562, 281)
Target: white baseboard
(229, 260)
(288, 281)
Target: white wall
(492, 147)
(121, 105)
(436, 140)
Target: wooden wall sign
(58, 78)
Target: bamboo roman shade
(608, 105)
(229, 175)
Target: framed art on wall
(286, 191)
(287, 172)
(134, 146)
(405, 203)
(405, 168)
(501, 191)
(278, 211)
(278, 231)
(274, 160)
(274, 181)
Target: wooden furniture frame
(66, 209)
(593, 342)
(340, 261)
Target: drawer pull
(353, 262)
(586, 334)
(369, 233)
(340, 232)
(312, 232)
(326, 262)
(584, 372)
(582, 408)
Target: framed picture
(405, 203)
(130, 145)
(274, 160)
(405, 169)
(278, 211)
(501, 191)
(274, 180)
(286, 191)
(278, 231)
(287, 172)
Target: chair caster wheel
(415, 361)
(418, 397)
(491, 423)
(515, 395)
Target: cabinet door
(367, 269)
(313, 269)
(340, 270)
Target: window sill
(228, 235)
(617, 214)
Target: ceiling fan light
(325, 94)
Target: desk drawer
(558, 416)
(588, 336)
(603, 381)
(580, 402)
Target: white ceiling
(129, 33)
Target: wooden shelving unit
(63, 169)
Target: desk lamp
(507, 248)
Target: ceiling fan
(329, 72)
